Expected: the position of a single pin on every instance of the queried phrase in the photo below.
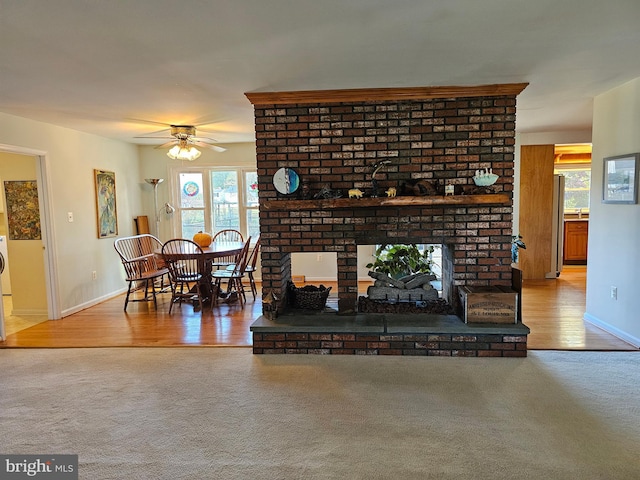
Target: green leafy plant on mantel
(400, 260)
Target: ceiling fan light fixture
(183, 151)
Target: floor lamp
(155, 182)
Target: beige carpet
(223, 413)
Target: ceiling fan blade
(207, 120)
(149, 122)
(147, 137)
(168, 144)
(204, 139)
(208, 145)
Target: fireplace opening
(391, 278)
(404, 278)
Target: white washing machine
(4, 276)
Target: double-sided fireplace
(436, 137)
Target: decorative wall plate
(286, 180)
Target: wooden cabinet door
(576, 235)
(536, 210)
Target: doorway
(573, 161)
(544, 216)
(33, 291)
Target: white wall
(71, 157)
(614, 246)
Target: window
(577, 184)
(214, 199)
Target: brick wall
(335, 144)
(440, 345)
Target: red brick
(503, 346)
(432, 139)
(489, 353)
(514, 353)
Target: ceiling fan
(183, 142)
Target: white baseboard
(624, 336)
(92, 303)
(26, 313)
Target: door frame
(43, 181)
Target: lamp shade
(183, 151)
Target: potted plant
(400, 260)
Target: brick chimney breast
(441, 135)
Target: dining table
(208, 255)
(221, 249)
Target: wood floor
(552, 309)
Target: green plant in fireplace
(399, 260)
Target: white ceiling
(110, 67)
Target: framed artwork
(106, 203)
(621, 179)
(23, 210)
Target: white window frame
(560, 168)
(205, 171)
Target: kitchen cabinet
(576, 236)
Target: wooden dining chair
(233, 277)
(185, 261)
(141, 265)
(251, 267)
(227, 235)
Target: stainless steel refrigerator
(557, 232)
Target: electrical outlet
(94, 275)
(70, 217)
(319, 258)
(614, 292)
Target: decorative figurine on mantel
(327, 193)
(355, 193)
(305, 190)
(374, 183)
(484, 178)
(418, 188)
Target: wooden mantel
(337, 203)
(375, 94)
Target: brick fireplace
(439, 135)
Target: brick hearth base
(376, 334)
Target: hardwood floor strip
(552, 309)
